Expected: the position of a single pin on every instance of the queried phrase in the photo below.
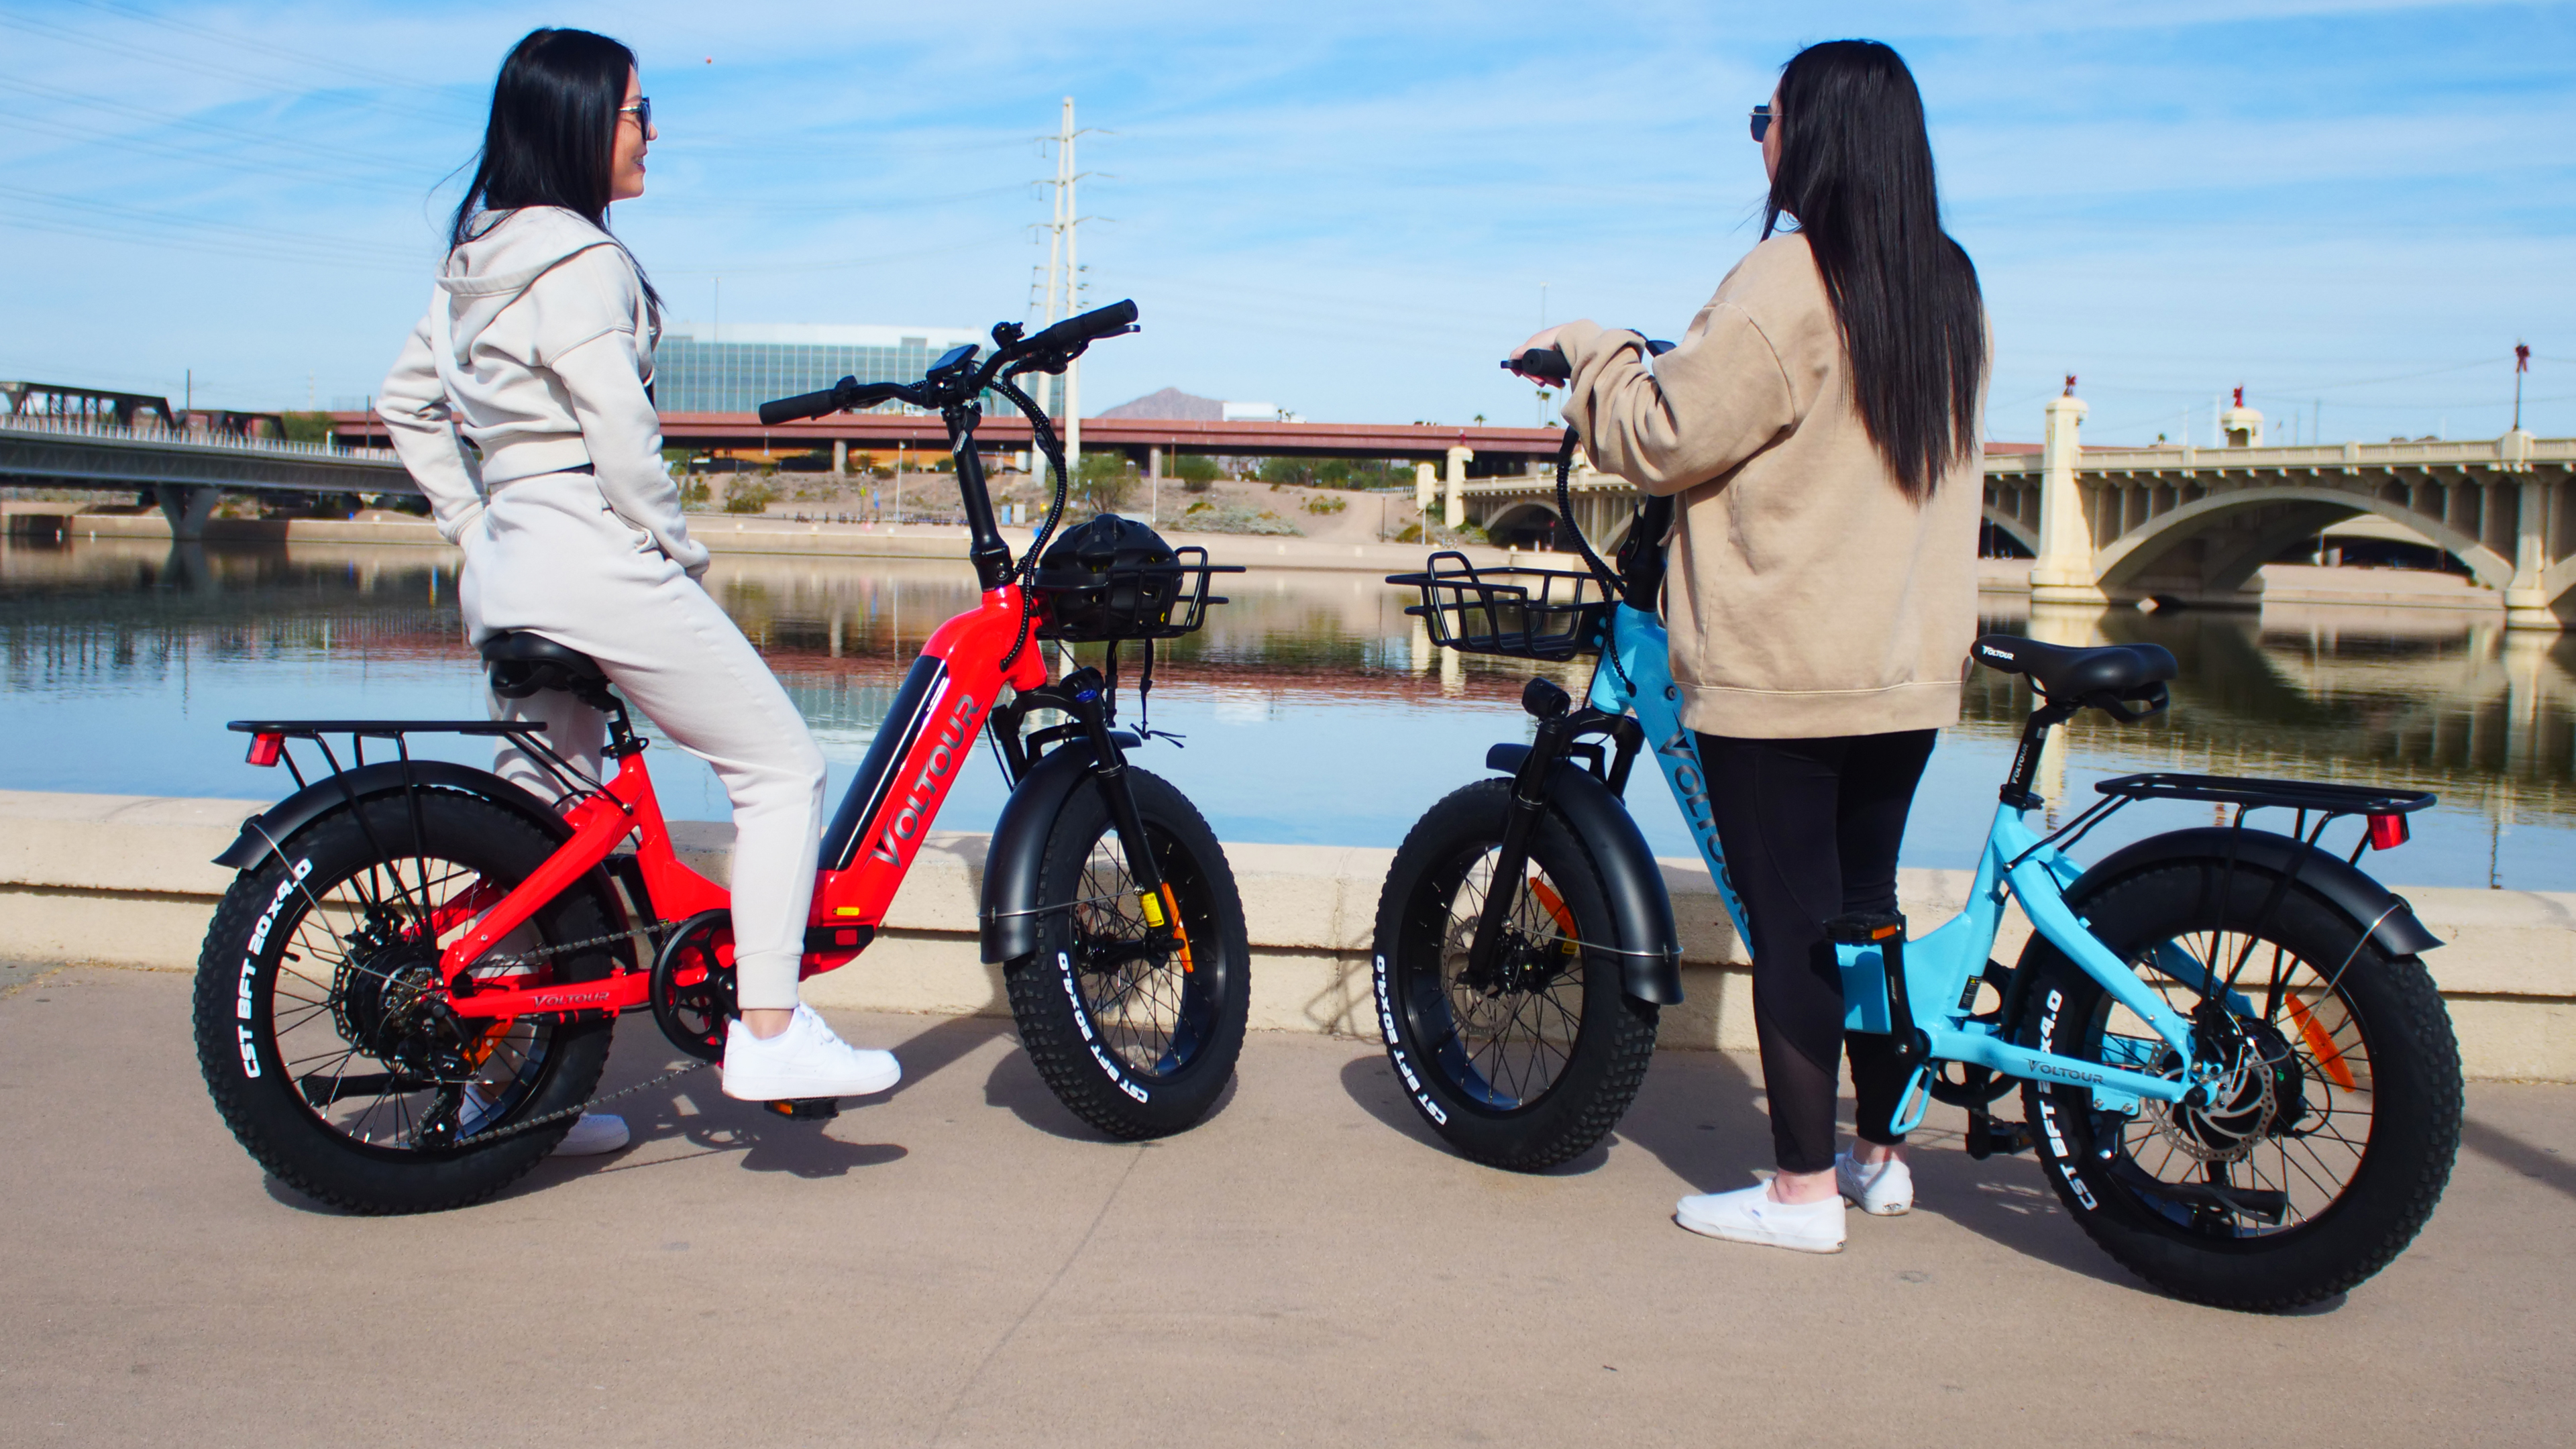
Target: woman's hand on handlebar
(1543, 340)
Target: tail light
(2387, 832)
(264, 749)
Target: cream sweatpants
(550, 557)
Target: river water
(1311, 708)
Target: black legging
(1811, 829)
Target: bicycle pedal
(1988, 1137)
(806, 1109)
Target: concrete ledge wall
(126, 879)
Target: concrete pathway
(964, 1264)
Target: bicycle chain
(643, 933)
(532, 1124)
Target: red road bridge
(1494, 450)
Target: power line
(128, 51)
(163, 223)
(89, 135)
(265, 47)
(371, 163)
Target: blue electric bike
(2233, 1065)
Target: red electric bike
(407, 995)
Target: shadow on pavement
(2505, 1150)
(1702, 1115)
(927, 1052)
(1372, 1083)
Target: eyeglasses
(1761, 121)
(642, 110)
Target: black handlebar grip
(807, 405)
(1547, 364)
(1100, 322)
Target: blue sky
(2352, 209)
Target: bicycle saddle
(2120, 671)
(521, 664)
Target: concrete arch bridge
(2195, 524)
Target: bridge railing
(75, 425)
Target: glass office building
(734, 369)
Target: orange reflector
(264, 749)
(2321, 1046)
(1554, 905)
(2387, 832)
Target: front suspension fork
(1162, 911)
(1556, 730)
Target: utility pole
(2521, 365)
(1063, 293)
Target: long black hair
(552, 139)
(1856, 171)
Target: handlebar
(1080, 332)
(1048, 351)
(1547, 364)
(849, 392)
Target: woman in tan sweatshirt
(1819, 423)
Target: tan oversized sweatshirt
(1805, 595)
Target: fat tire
(266, 1111)
(2417, 1098)
(1614, 1043)
(1057, 1023)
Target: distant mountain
(1171, 403)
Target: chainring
(692, 990)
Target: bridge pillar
(2526, 603)
(1423, 476)
(2063, 572)
(187, 508)
(1455, 513)
(840, 456)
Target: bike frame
(861, 870)
(947, 698)
(1939, 969)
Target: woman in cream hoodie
(1819, 423)
(537, 349)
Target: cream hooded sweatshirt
(1805, 595)
(537, 350)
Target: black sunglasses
(1761, 121)
(643, 113)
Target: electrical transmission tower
(1063, 286)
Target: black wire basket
(1114, 578)
(1521, 613)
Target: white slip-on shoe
(594, 1134)
(804, 1061)
(1880, 1189)
(1748, 1215)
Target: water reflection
(1313, 708)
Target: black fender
(269, 829)
(1640, 908)
(1007, 923)
(2368, 904)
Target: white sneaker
(1748, 1215)
(1880, 1189)
(593, 1135)
(803, 1061)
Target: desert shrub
(1324, 504)
(1206, 517)
(1195, 470)
(1104, 482)
(749, 493)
